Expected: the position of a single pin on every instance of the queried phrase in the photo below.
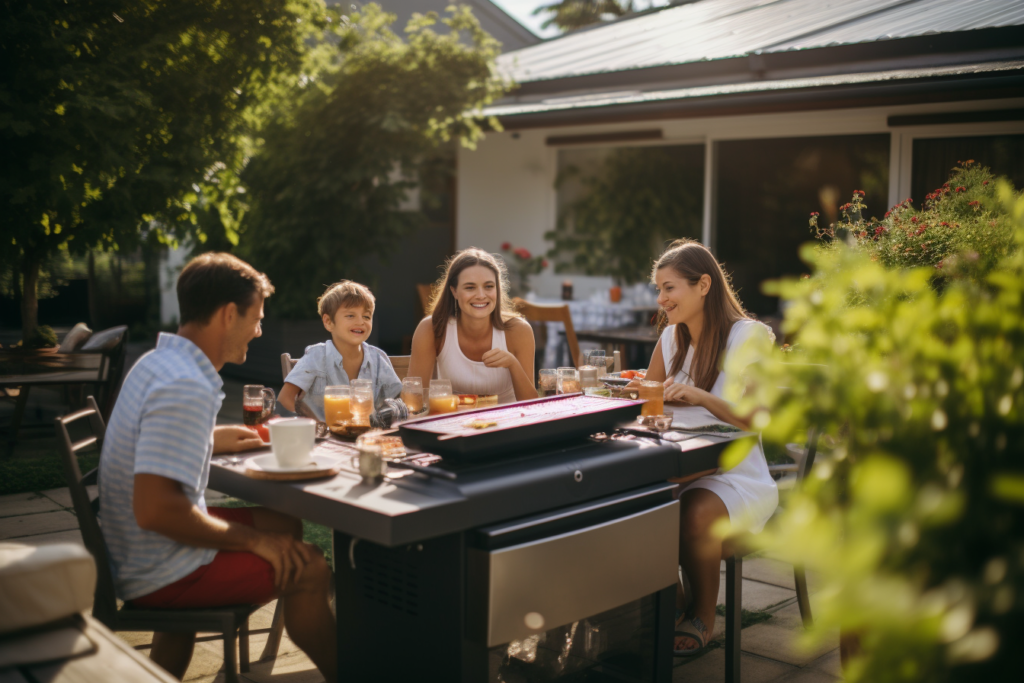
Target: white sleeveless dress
(748, 490)
(471, 376)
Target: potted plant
(521, 265)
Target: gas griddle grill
(554, 561)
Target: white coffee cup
(292, 439)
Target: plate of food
(623, 378)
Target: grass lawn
(39, 472)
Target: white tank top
(471, 376)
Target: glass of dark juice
(258, 404)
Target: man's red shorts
(232, 578)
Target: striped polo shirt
(162, 424)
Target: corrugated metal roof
(613, 99)
(717, 29)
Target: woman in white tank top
(476, 340)
(707, 327)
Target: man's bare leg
(173, 651)
(307, 615)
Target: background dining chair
(232, 621)
(553, 313)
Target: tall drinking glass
(337, 404)
(412, 394)
(547, 382)
(441, 398)
(568, 381)
(362, 401)
(653, 395)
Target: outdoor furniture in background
(551, 313)
(635, 343)
(230, 621)
(734, 579)
(400, 364)
(424, 292)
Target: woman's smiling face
(682, 301)
(477, 292)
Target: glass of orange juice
(412, 394)
(441, 398)
(653, 395)
(337, 404)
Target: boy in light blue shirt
(346, 309)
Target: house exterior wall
(506, 185)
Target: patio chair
(112, 343)
(552, 313)
(734, 580)
(424, 292)
(232, 622)
(400, 365)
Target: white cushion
(42, 584)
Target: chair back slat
(400, 365)
(424, 292)
(552, 313)
(105, 603)
(287, 365)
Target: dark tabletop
(636, 334)
(413, 507)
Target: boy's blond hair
(345, 294)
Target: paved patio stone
(15, 504)
(62, 496)
(829, 663)
(778, 639)
(710, 668)
(757, 595)
(32, 525)
(806, 676)
(69, 536)
(294, 668)
(767, 570)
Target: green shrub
(914, 512)
(42, 338)
(961, 228)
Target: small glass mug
(369, 460)
(441, 398)
(598, 360)
(547, 382)
(568, 381)
(258, 404)
(412, 394)
(337, 404)
(653, 395)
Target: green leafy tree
(326, 190)
(636, 201)
(116, 116)
(573, 14)
(914, 514)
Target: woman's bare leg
(700, 554)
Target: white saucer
(268, 463)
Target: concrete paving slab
(62, 496)
(757, 595)
(829, 663)
(778, 639)
(70, 536)
(767, 570)
(294, 668)
(42, 523)
(806, 676)
(710, 668)
(16, 504)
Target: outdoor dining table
(423, 518)
(636, 342)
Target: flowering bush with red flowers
(521, 265)
(960, 229)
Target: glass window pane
(766, 190)
(618, 206)
(935, 157)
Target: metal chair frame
(231, 621)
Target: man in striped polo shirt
(167, 549)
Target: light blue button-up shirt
(162, 424)
(321, 366)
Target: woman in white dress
(694, 357)
(472, 333)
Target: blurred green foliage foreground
(914, 511)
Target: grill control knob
(534, 621)
(578, 476)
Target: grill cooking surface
(526, 424)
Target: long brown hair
(691, 259)
(443, 305)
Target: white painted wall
(506, 185)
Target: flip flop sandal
(695, 629)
